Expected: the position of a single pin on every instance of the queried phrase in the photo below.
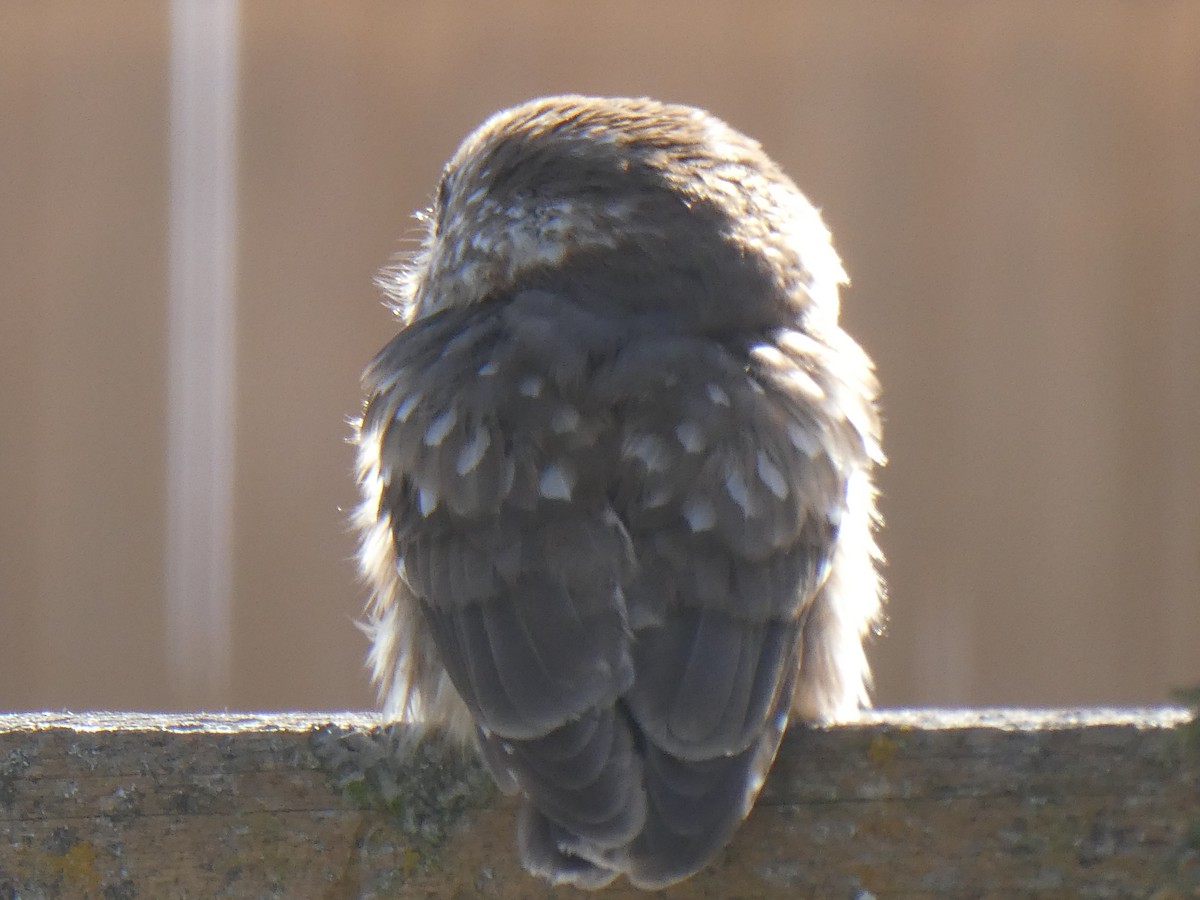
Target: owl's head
(661, 208)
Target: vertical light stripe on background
(201, 359)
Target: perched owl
(616, 471)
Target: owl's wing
(731, 492)
(495, 467)
(613, 534)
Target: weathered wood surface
(911, 804)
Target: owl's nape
(617, 509)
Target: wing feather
(614, 536)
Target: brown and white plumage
(616, 471)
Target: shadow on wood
(913, 804)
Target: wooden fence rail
(912, 804)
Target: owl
(616, 468)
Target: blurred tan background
(1015, 189)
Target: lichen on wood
(913, 804)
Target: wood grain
(912, 804)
